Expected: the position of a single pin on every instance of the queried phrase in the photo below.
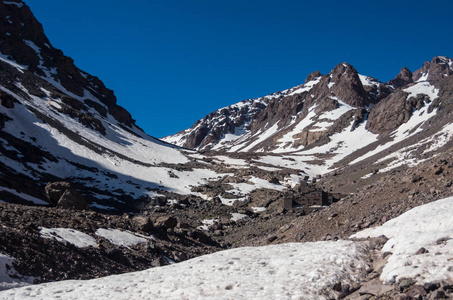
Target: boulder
(142, 223)
(54, 190)
(416, 292)
(64, 195)
(166, 222)
(71, 198)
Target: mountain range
(81, 182)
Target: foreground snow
(9, 277)
(288, 271)
(428, 227)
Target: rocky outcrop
(23, 40)
(51, 259)
(348, 87)
(402, 79)
(393, 111)
(64, 195)
(439, 67)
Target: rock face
(64, 195)
(298, 118)
(29, 46)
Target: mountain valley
(86, 193)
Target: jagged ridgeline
(308, 115)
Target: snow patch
(429, 226)
(19, 5)
(287, 271)
(422, 88)
(71, 236)
(120, 238)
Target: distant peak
(403, 78)
(344, 68)
(439, 67)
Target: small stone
(416, 291)
(142, 223)
(271, 238)
(422, 251)
(405, 283)
(438, 294)
(337, 287)
(431, 286)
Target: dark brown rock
(142, 223)
(71, 198)
(438, 294)
(416, 291)
(54, 190)
(402, 79)
(166, 222)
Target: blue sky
(171, 62)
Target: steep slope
(250, 124)
(58, 123)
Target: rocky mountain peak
(403, 78)
(345, 83)
(439, 67)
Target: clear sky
(171, 62)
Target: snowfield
(286, 271)
(429, 226)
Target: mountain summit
(327, 108)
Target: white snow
(120, 238)
(18, 67)
(367, 80)
(441, 138)
(72, 236)
(237, 216)
(231, 161)
(304, 123)
(335, 114)
(270, 169)
(253, 183)
(258, 208)
(321, 122)
(207, 223)
(429, 226)
(19, 5)
(287, 271)
(121, 144)
(229, 138)
(261, 136)
(410, 128)
(306, 87)
(422, 88)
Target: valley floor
(417, 258)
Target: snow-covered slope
(427, 227)
(286, 271)
(340, 118)
(58, 123)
